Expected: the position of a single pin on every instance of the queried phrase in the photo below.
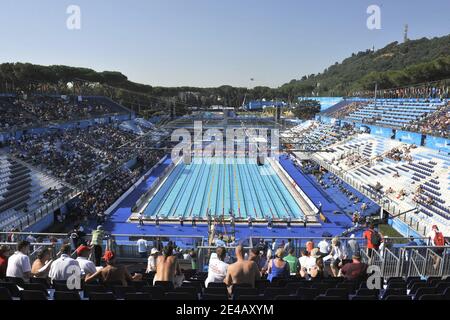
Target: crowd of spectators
(78, 154)
(437, 124)
(12, 117)
(21, 112)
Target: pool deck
(118, 222)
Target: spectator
(317, 271)
(242, 271)
(19, 263)
(254, 256)
(352, 247)
(142, 247)
(167, 267)
(4, 254)
(97, 243)
(113, 273)
(324, 247)
(436, 239)
(336, 255)
(277, 267)
(217, 268)
(288, 245)
(41, 266)
(306, 263)
(151, 262)
(309, 245)
(194, 259)
(292, 260)
(87, 266)
(219, 242)
(373, 239)
(63, 267)
(356, 270)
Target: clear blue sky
(209, 42)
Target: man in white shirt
(19, 263)
(306, 262)
(324, 246)
(142, 247)
(61, 267)
(217, 269)
(87, 266)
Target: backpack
(375, 238)
(439, 239)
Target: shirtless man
(167, 266)
(242, 271)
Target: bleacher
(23, 190)
(399, 179)
(395, 113)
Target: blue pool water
(219, 185)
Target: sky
(209, 43)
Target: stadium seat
(396, 291)
(12, 288)
(138, 284)
(364, 298)
(222, 291)
(337, 292)
(42, 281)
(286, 298)
(190, 290)
(180, 296)
(96, 296)
(66, 295)
(243, 291)
(416, 287)
(32, 295)
(252, 297)
(434, 297)
(167, 285)
(157, 293)
(90, 288)
(138, 296)
(441, 287)
(272, 292)
(367, 292)
(397, 297)
(329, 298)
(35, 287)
(207, 296)
(120, 291)
(4, 294)
(216, 285)
(322, 287)
(307, 293)
(422, 291)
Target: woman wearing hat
(151, 263)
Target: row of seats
(413, 288)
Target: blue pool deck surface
(118, 222)
(219, 186)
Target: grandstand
(89, 161)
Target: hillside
(394, 65)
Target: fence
(395, 260)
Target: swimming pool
(222, 185)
